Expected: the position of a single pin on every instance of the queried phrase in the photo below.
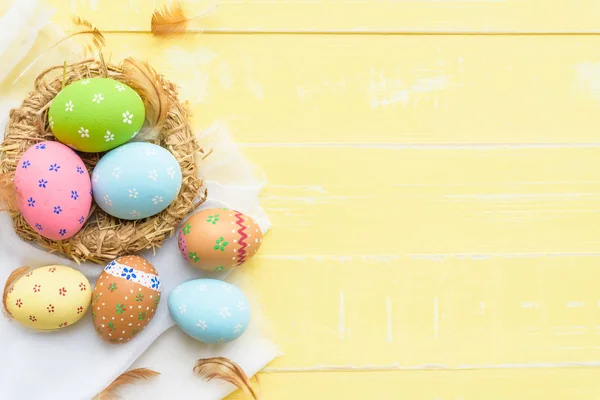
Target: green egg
(96, 115)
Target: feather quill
(86, 29)
(126, 378)
(16, 274)
(226, 370)
(171, 19)
(151, 87)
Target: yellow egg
(49, 298)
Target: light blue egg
(136, 180)
(210, 310)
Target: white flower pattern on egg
(109, 136)
(85, 81)
(171, 172)
(85, 133)
(69, 106)
(127, 117)
(238, 328)
(241, 306)
(202, 325)
(51, 122)
(133, 194)
(107, 201)
(182, 308)
(135, 213)
(202, 287)
(153, 175)
(116, 172)
(119, 87)
(224, 312)
(97, 98)
(157, 199)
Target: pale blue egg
(136, 180)
(210, 310)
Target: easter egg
(49, 297)
(136, 180)
(218, 239)
(95, 115)
(210, 310)
(125, 298)
(53, 190)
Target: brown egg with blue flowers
(125, 298)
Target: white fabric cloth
(74, 363)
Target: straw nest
(104, 237)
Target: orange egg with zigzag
(219, 239)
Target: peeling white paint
(529, 304)
(225, 75)
(256, 89)
(588, 77)
(433, 367)
(386, 91)
(436, 318)
(341, 317)
(388, 310)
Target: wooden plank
(376, 258)
(351, 16)
(434, 201)
(540, 384)
(421, 313)
(432, 90)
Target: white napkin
(74, 363)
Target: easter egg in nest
(53, 190)
(48, 298)
(219, 239)
(136, 180)
(96, 114)
(210, 310)
(125, 298)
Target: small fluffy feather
(172, 19)
(126, 378)
(168, 19)
(86, 29)
(226, 370)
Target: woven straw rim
(103, 237)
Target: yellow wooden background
(434, 185)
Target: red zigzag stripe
(242, 240)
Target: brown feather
(171, 19)
(126, 378)
(150, 86)
(226, 370)
(95, 41)
(16, 274)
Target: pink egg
(54, 191)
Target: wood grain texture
(435, 198)
(397, 89)
(354, 16)
(560, 384)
